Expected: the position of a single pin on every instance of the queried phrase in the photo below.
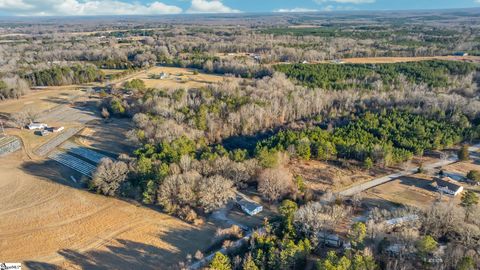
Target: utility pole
(3, 130)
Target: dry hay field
(414, 190)
(179, 78)
(386, 60)
(48, 224)
(40, 100)
(321, 176)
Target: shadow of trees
(126, 254)
(53, 171)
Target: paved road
(378, 181)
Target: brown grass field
(385, 60)
(413, 190)
(41, 100)
(107, 136)
(48, 222)
(179, 78)
(45, 222)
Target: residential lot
(415, 190)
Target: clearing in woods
(177, 78)
(46, 222)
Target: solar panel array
(73, 162)
(83, 152)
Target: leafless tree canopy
(109, 176)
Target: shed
(249, 207)
(56, 129)
(460, 54)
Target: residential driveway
(381, 180)
(221, 215)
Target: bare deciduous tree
(276, 183)
(214, 192)
(109, 176)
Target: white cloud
(295, 10)
(210, 6)
(84, 7)
(347, 1)
(14, 5)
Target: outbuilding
(34, 126)
(460, 54)
(249, 207)
(56, 129)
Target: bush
(474, 175)
(463, 153)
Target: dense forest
(435, 74)
(65, 75)
(389, 137)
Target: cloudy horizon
(163, 7)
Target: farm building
(448, 187)
(34, 126)
(56, 129)
(249, 207)
(460, 54)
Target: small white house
(249, 207)
(448, 187)
(34, 126)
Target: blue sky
(158, 7)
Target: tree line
(435, 74)
(64, 75)
(387, 137)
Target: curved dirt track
(47, 224)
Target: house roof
(250, 206)
(449, 185)
(400, 220)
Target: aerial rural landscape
(311, 139)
